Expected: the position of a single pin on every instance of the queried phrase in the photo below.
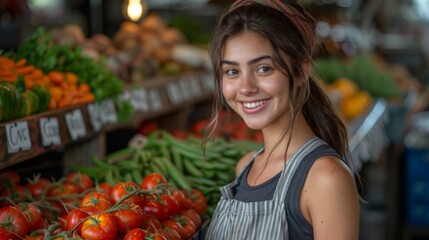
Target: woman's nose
(248, 84)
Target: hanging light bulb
(134, 9)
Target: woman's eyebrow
(250, 62)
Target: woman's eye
(264, 69)
(230, 72)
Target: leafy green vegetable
(363, 70)
(40, 50)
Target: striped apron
(235, 220)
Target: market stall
(67, 89)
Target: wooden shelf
(25, 138)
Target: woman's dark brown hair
(290, 45)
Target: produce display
(353, 83)
(41, 76)
(180, 160)
(77, 207)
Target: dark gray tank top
(299, 228)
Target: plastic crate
(417, 163)
(417, 190)
(417, 214)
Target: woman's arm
(330, 200)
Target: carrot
(29, 82)
(56, 93)
(37, 73)
(6, 62)
(88, 98)
(21, 63)
(70, 77)
(25, 70)
(64, 102)
(56, 77)
(84, 87)
(53, 104)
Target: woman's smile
(251, 83)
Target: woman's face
(251, 85)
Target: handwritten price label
(75, 124)
(94, 110)
(186, 89)
(140, 99)
(18, 137)
(208, 82)
(174, 92)
(50, 131)
(155, 99)
(194, 84)
(108, 110)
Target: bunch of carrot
(64, 87)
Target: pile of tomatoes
(76, 208)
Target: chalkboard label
(18, 137)
(75, 124)
(50, 131)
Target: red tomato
(9, 178)
(180, 197)
(34, 237)
(192, 214)
(32, 214)
(37, 186)
(179, 134)
(188, 226)
(170, 233)
(62, 220)
(68, 191)
(83, 180)
(195, 199)
(101, 226)
(156, 206)
(173, 224)
(136, 234)
(13, 221)
(123, 189)
(129, 217)
(156, 236)
(171, 203)
(105, 188)
(6, 234)
(16, 193)
(147, 127)
(75, 219)
(96, 199)
(64, 189)
(151, 222)
(152, 180)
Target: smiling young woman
(300, 184)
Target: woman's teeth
(254, 104)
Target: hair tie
(305, 28)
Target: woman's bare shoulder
(332, 199)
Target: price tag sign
(195, 86)
(186, 89)
(140, 99)
(18, 137)
(50, 131)
(155, 99)
(75, 124)
(108, 110)
(174, 92)
(208, 82)
(95, 116)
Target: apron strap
(291, 166)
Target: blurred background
(372, 56)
